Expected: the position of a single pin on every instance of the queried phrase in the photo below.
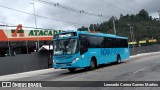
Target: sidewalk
(145, 54)
(27, 74)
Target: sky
(63, 19)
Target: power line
(40, 16)
(125, 5)
(6, 23)
(71, 9)
(13, 25)
(142, 6)
(25, 27)
(114, 6)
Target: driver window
(83, 42)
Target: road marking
(69, 77)
(139, 70)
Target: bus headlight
(76, 59)
(54, 62)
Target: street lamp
(35, 25)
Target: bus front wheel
(72, 69)
(92, 64)
(118, 59)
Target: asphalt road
(143, 68)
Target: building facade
(19, 41)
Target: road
(142, 68)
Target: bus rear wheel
(92, 64)
(118, 59)
(72, 69)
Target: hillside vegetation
(141, 26)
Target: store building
(19, 41)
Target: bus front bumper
(77, 64)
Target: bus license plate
(63, 65)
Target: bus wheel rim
(119, 60)
(92, 64)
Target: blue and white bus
(83, 49)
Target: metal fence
(23, 63)
(145, 49)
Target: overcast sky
(113, 8)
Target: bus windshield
(65, 47)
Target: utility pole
(9, 48)
(159, 14)
(26, 45)
(131, 33)
(94, 27)
(37, 45)
(114, 28)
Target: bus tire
(118, 59)
(92, 64)
(71, 69)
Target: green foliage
(144, 26)
(83, 28)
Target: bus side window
(83, 45)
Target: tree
(144, 26)
(121, 16)
(143, 15)
(91, 27)
(83, 28)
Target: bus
(83, 49)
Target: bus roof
(100, 34)
(96, 34)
